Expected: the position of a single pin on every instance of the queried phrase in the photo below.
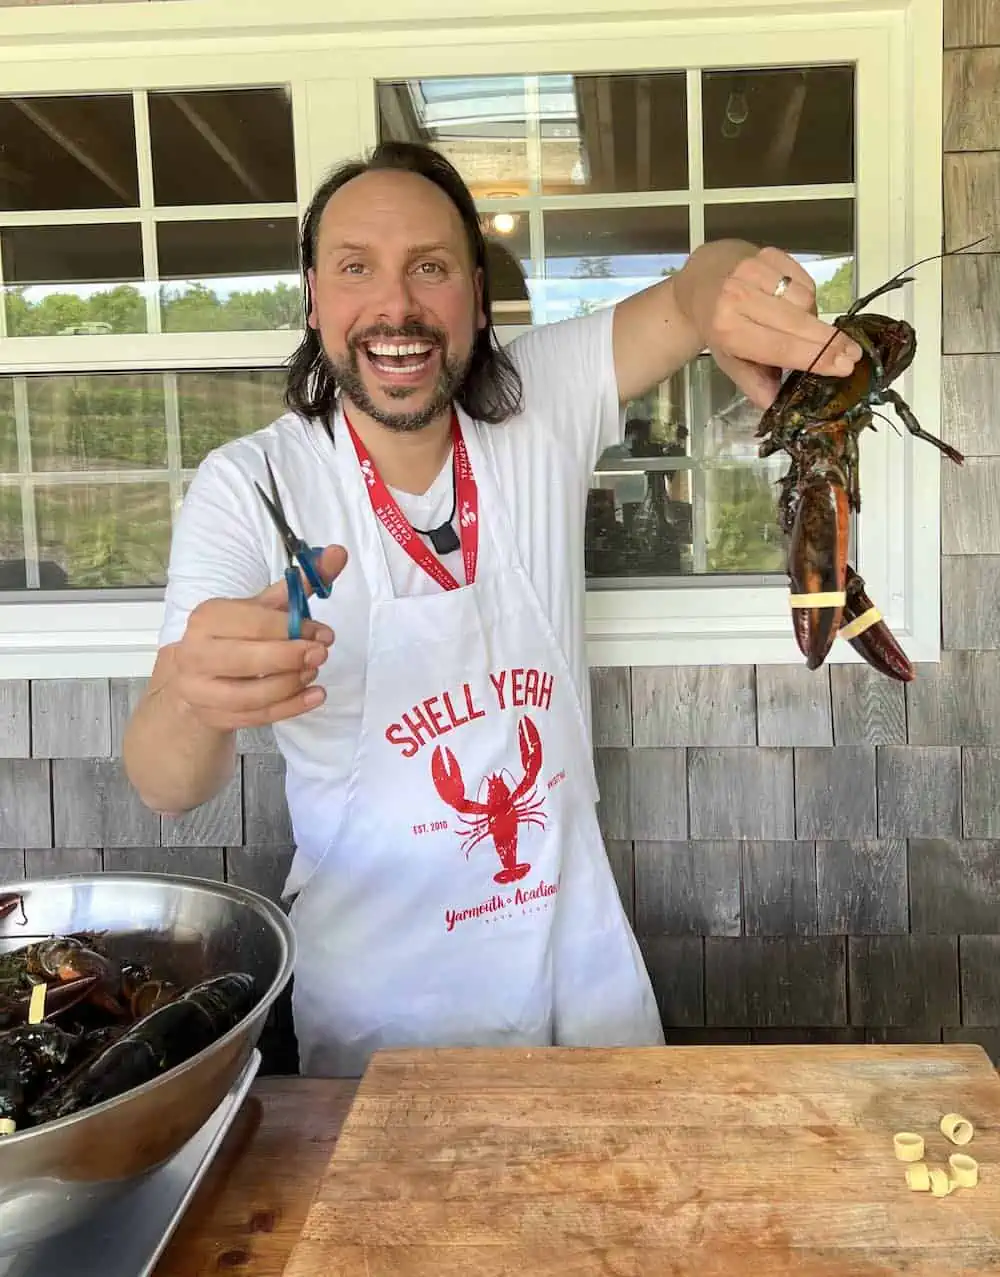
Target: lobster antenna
(888, 421)
(939, 256)
(894, 282)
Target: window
(595, 186)
(151, 292)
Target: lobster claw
(530, 745)
(9, 901)
(817, 566)
(869, 635)
(447, 777)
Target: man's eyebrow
(439, 247)
(350, 246)
(347, 246)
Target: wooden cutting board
(642, 1163)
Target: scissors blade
(277, 512)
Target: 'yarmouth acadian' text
(500, 904)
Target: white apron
(466, 897)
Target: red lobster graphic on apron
(505, 808)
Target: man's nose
(397, 302)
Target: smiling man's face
(396, 300)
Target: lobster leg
(817, 567)
(869, 635)
(908, 419)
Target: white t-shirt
(224, 545)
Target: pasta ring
(918, 1177)
(909, 1147)
(7, 1126)
(956, 1128)
(965, 1170)
(941, 1185)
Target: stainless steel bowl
(52, 1177)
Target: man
(450, 882)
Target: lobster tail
(817, 567)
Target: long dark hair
(491, 391)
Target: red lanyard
(391, 517)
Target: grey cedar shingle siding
(806, 857)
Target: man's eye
(353, 268)
(430, 268)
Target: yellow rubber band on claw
(36, 1007)
(861, 623)
(833, 598)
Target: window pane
(105, 536)
(62, 280)
(727, 419)
(8, 427)
(508, 251)
(113, 422)
(13, 574)
(67, 152)
(656, 426)
(479, 123)
(818, 233)
(229, 276)
(607, 133)
(594, 133)
(742, 533)
(787, 127)
(230, 147)
(218, 406)
(639, 524)
(597, 256)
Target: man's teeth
(397, 349)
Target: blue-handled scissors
(295, 549)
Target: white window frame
(333, 54)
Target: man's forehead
(404, 205)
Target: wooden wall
(805, 856)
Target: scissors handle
(308, 557)
(298, 602)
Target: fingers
(252, 619)
(753, 324)
(237, 667)
(230, 720)
(236, 658)
(250, 695)
(771, 264)
(760, 384)
(330, 565)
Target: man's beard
(346, 373)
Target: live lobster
(816, 420)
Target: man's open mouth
(391, 358)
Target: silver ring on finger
(781, 287)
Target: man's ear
(478, 285)
(311, 317)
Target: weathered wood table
(249, 1210)
(709, 1161)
